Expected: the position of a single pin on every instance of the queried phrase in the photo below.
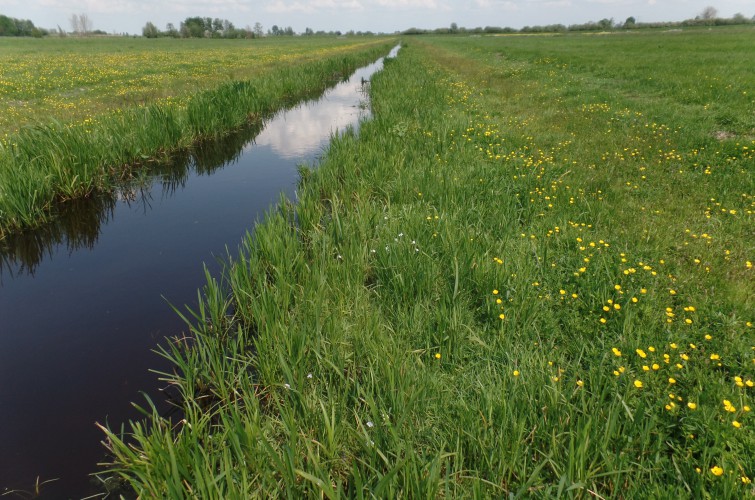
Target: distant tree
(80, 24)
(631, 22)
(75, 26)
(10, 26)
(258, 30)
(454, 28)
(739, 18)
(193, 27)
(171, 31)
(289, 31)
(216, 27)
(308, 31)
(150, 31)
(709, 13)
(85, 23)
(605, 24)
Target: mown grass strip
(456, 306)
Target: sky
(388, 16)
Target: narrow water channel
(84, 301)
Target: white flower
(370, 424)
(287, 386)
(309, 375)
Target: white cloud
(408, 4)
(311, 6)
(496, 4)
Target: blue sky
(129, 16)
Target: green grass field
(530, 275)
(76, 116)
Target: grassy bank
(523, 278)
(45, 164)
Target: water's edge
(83, 300)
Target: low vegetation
(530, 275)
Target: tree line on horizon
(708, 17)
(206, 27)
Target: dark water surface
(83, 301)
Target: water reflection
(79, 222)
(300, 130)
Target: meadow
(78, 115)
(530, 275)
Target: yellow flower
(580, 383)
(746, 480)
(671, 380)
(716, 470)
(516, 373)
(495, 292)
(616, 352)
(641, 353)
(502, 316)
(437, 355)
(638, 384)
(606, 308)
(655, 366)
(736, 424)
(692, 406)
(715, 356)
